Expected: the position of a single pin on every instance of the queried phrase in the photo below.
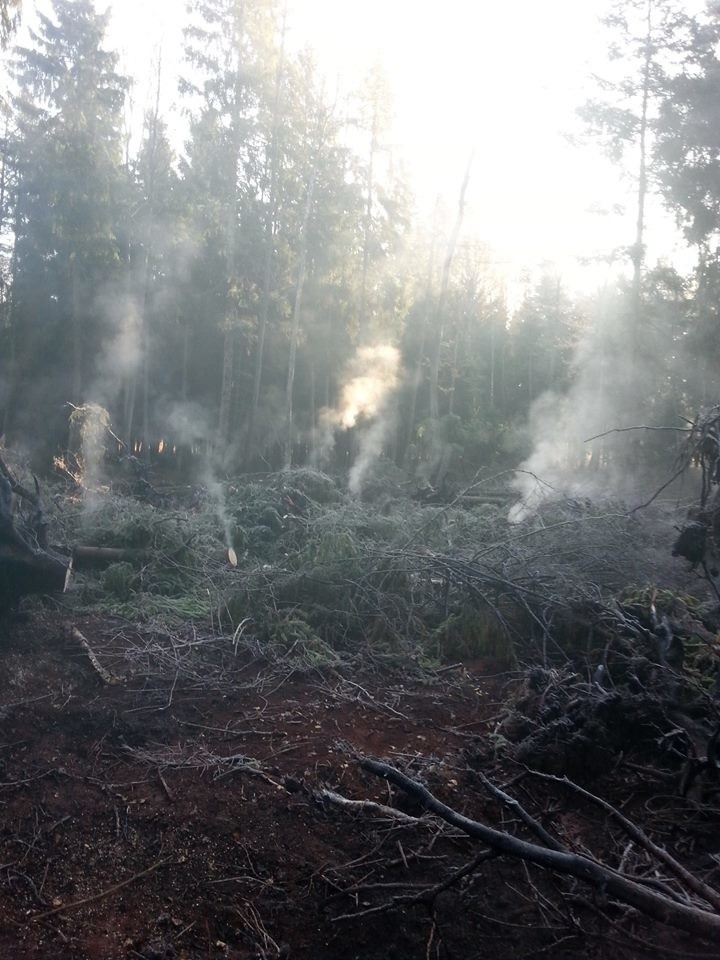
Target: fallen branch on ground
(104, 674)
(694, 919)
(640, 837)
(97, 896)
(370, 807)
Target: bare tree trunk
(638, 250)
(12, 363)
(302, 267)
(145, 349)
(417, 377)
(270, 227)
(437, 340)
(362, 320)
(76, 325)
(228, 361)
(148, 244)
(491, 396)
(227, 383)
(313, 407)
(459, 334)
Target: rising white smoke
(365, 402)
(121, 353)
(609, 392)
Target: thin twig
(98, 896)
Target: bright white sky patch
(504, 78)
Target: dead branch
(530, 822)
(693, 919)
(97, 896)
(428, 894)
(104, 674)
(639, 836)
(370, 807)
(641, 426)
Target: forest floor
(156, 820)
(103, 784)
(173, 788)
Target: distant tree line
(212, 298)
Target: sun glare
(504, 80)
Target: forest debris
(63, 908)
(662, 906)
(699, 540)
(368, 806)
(698, 886)
(27, 565)
(104, 674)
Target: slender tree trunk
(12, 360)
(417, 376)
(437, 340)
(185, 448)
(302, 268)
(227, 383)
(146, 282)
(231, 225)
(76, 325)
(491, 396)
(7, 363)
(638, 251)
(313, 407)
(456, 358)
(270, 227)
(145, 347)
(367, 228)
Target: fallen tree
(27, 564)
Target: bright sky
(502, 77)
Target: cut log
(23, 573)
(87, 557)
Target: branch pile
(699, 539)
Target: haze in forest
(504, 80)
(360, 237)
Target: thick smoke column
(609, 390)
(369, 383)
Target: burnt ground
(176, 812)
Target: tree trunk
(231, 227)
(76, 326)
(227, 383)
(362, 318)
(417, 378)
(437, 340)
(270, 226)
(638, 250)
(302, 267)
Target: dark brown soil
(156, 818)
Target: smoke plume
(369, 383)
(610, 390)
